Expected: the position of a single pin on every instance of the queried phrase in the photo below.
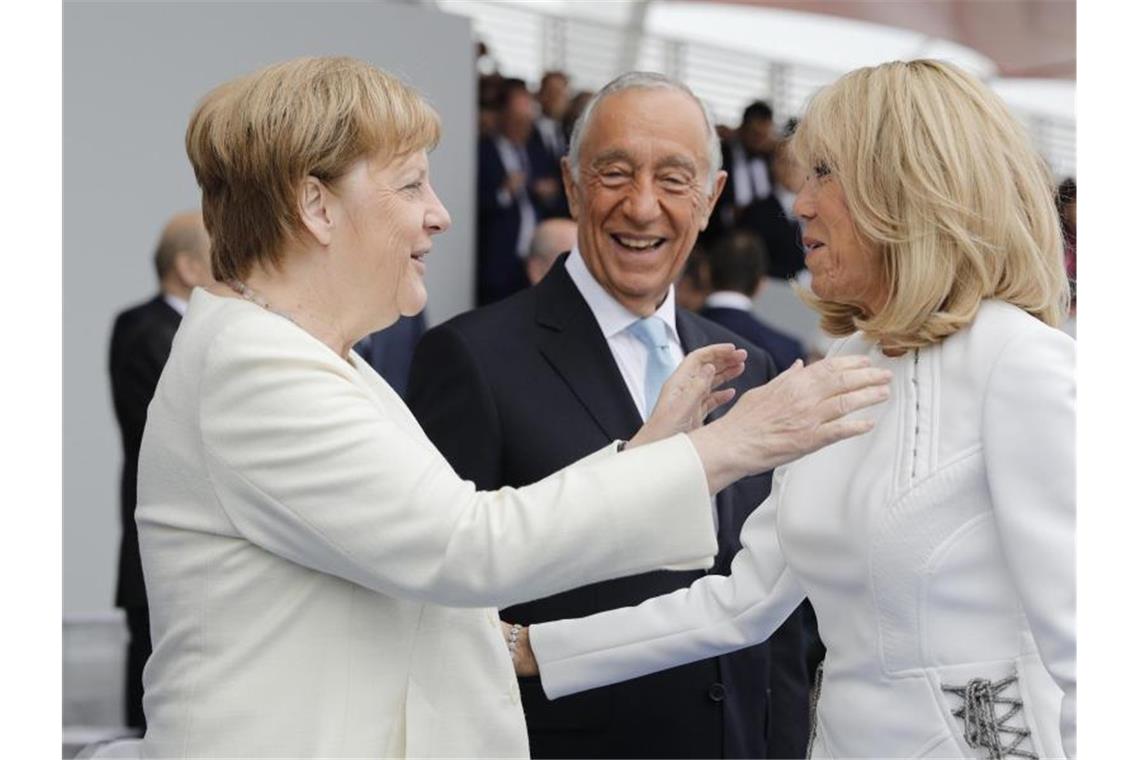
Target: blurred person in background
(692, 287)
(490, 94)
(321, 582)
(485, 63)
(747, 161)
(938, 550)
(774, 218)
(513, 392)
(738, 266)
(552, 238)
(553, 97)
(574, 110)
(515, 185)
(140, 344)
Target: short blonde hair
(942, 182)
(253, 139)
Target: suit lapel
(573, 344)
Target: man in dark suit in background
(516, 185)
(140, 344)
(759, 192)
(738, 265)
(512, 392)
(747, 160)
(553, 98)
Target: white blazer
(937, 551)
(322, 584)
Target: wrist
(524, 659)
(716, 457)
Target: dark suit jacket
(783, 348)
(389, 351)
(547, 165)
(515, 391)
(499, 270)
(140, 344)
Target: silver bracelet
(513, 640)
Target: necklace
(254, 297)
(257, 299)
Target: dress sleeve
(1028, 437)
(309, 464)
(715, 615)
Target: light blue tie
(659, 364)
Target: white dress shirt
(175, 303)
(614, 320)
(728, 299)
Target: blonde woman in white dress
(937, 550)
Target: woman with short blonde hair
(937, 551)
(321, 582)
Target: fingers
(843, 374)
(841, 364)
(728, 373)
(723, 356)
(852, 401)
(839, 430)
(716, 400)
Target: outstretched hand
(691, 392)
(800, 411)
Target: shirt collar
(728, 299)
(612, 317)
(175, 303)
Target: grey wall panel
(132, 75)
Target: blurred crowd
(523, 214)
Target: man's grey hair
(646, 80)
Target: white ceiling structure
(738, 50)
(836, 42)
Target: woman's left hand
(690, 395)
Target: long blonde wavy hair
(941, 180)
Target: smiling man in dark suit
(512, 392)
(140, 344)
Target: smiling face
(641, 199)
(844, 266)
(390, 213)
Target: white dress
(322, 584)
(937, 550)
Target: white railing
(528, 41)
